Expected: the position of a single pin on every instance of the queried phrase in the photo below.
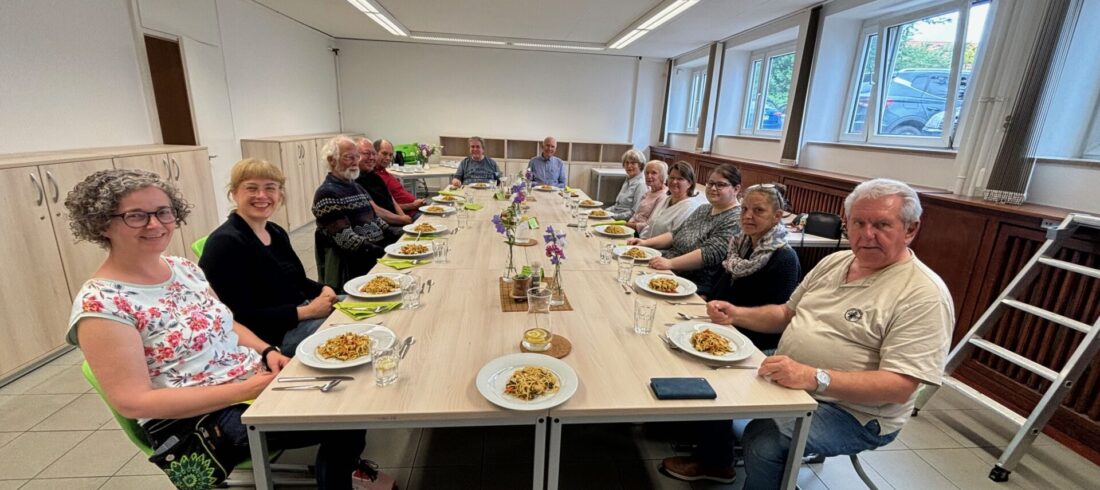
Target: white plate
(443, 200)
(593, 216)
(649, 252)
(686, 287)
(352, 287)
(307, 350)
(493, 377)
(595, 204)
(627, 231)
(545, 188)
(680, 334)
(446, 209)
(394, 249)
(481, 185)
(411, 229)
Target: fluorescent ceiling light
(560, 46)
(379, 16)
(656, 20)
(460, 40)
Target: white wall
(69, 76)
(1067, 185)
(735, 68)
(916, 168)
(682, 141)
(648, 100)
(766, 150)
(417, 92)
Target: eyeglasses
(140, 219)
(771, 188)
(718, 185)
(680, 179)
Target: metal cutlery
(409, 341)
(686, 316)
(684, 303)
(295, 379)
(325, 388)
(626, 289)
(731, 366)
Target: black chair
(336, 266)
(826, 225)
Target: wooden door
(82, 259)
(296, 185)
(36, 316)
(320, 165)
(311, 176)
(158, 163)
(192, 176)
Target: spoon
(409, 341)
(325, 388)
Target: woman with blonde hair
(656, 173)
(633, 190)
(253, 268)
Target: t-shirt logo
(853, 315)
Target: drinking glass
(385, 360)
(644, 311)
(410, 292)
(440, 249)
(582, 221)
(626, 268)
(606, 253)
(538, 333)
(462, 217)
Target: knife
(313, 378)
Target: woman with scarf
(760, 268)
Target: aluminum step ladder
(1061, 381)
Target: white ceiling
(570, 21)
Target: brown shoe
(688, 469)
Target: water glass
(462, 217)
(582, 221)
(440, 249)
(410, 292)
(644, 311)
(626, 268)
(606, 253)
(385, 361)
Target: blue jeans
(833, 431)
(292, 338)
(337, 456)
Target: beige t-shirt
(898, 319)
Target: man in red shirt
(408, 202)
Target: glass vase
(557, 292)
(510, 269)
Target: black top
(262, 284)
(771, 285)
(379, 192)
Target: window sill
(749, 137)
(939, 152)
(1073, 162)
(684, 133)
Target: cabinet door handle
(177, 166)
(38, 187)
(167, 169)
(53, 183)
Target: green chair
(199, 245)
(136, 436)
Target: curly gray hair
(92, 201)
(879, 188)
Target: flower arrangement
(554, 243)
(425, 151)
(506, 223)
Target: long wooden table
(461, 327)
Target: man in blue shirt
(547, 168)
(477, 167)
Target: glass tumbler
(644, 311)
(626, 268)
(410, 292)
(385, 361)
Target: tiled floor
(55, 433)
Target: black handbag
(194, 452)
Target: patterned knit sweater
(344, 214)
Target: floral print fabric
(187, 332)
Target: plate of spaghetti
(408, 250)
(342, 346)
(666, 285)
(425, 228)
(710, 341)
(636, 252)
(527, 381)
(382, 285)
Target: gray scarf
(738, 266)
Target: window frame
(880, 26)
(756, 100)
(696, 95)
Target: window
(769, 86)
(1071, 119)
(912, 71)
(695, 100)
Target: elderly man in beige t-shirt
(864, 329)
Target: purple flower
(556, 254)
(519, 198)
(498, 223)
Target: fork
(686, 316)
(684, 303)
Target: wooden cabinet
(43, 264)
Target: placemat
(509, 305)
(559, 347)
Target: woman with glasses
(697, 247)
(656, 173)
(633, 190)
(253, 268)
(682, 200)
(157, 338)
(760, 267)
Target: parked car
(934, 126)
(912, 98)
(772, 119)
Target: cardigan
(262, 284)
(771, 285)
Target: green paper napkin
(615, 222)
(444, 192)
(359, 310)
(401, 264)
(473, 207)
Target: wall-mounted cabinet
(43, 264)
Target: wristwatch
(263, 355)
(823, 380)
